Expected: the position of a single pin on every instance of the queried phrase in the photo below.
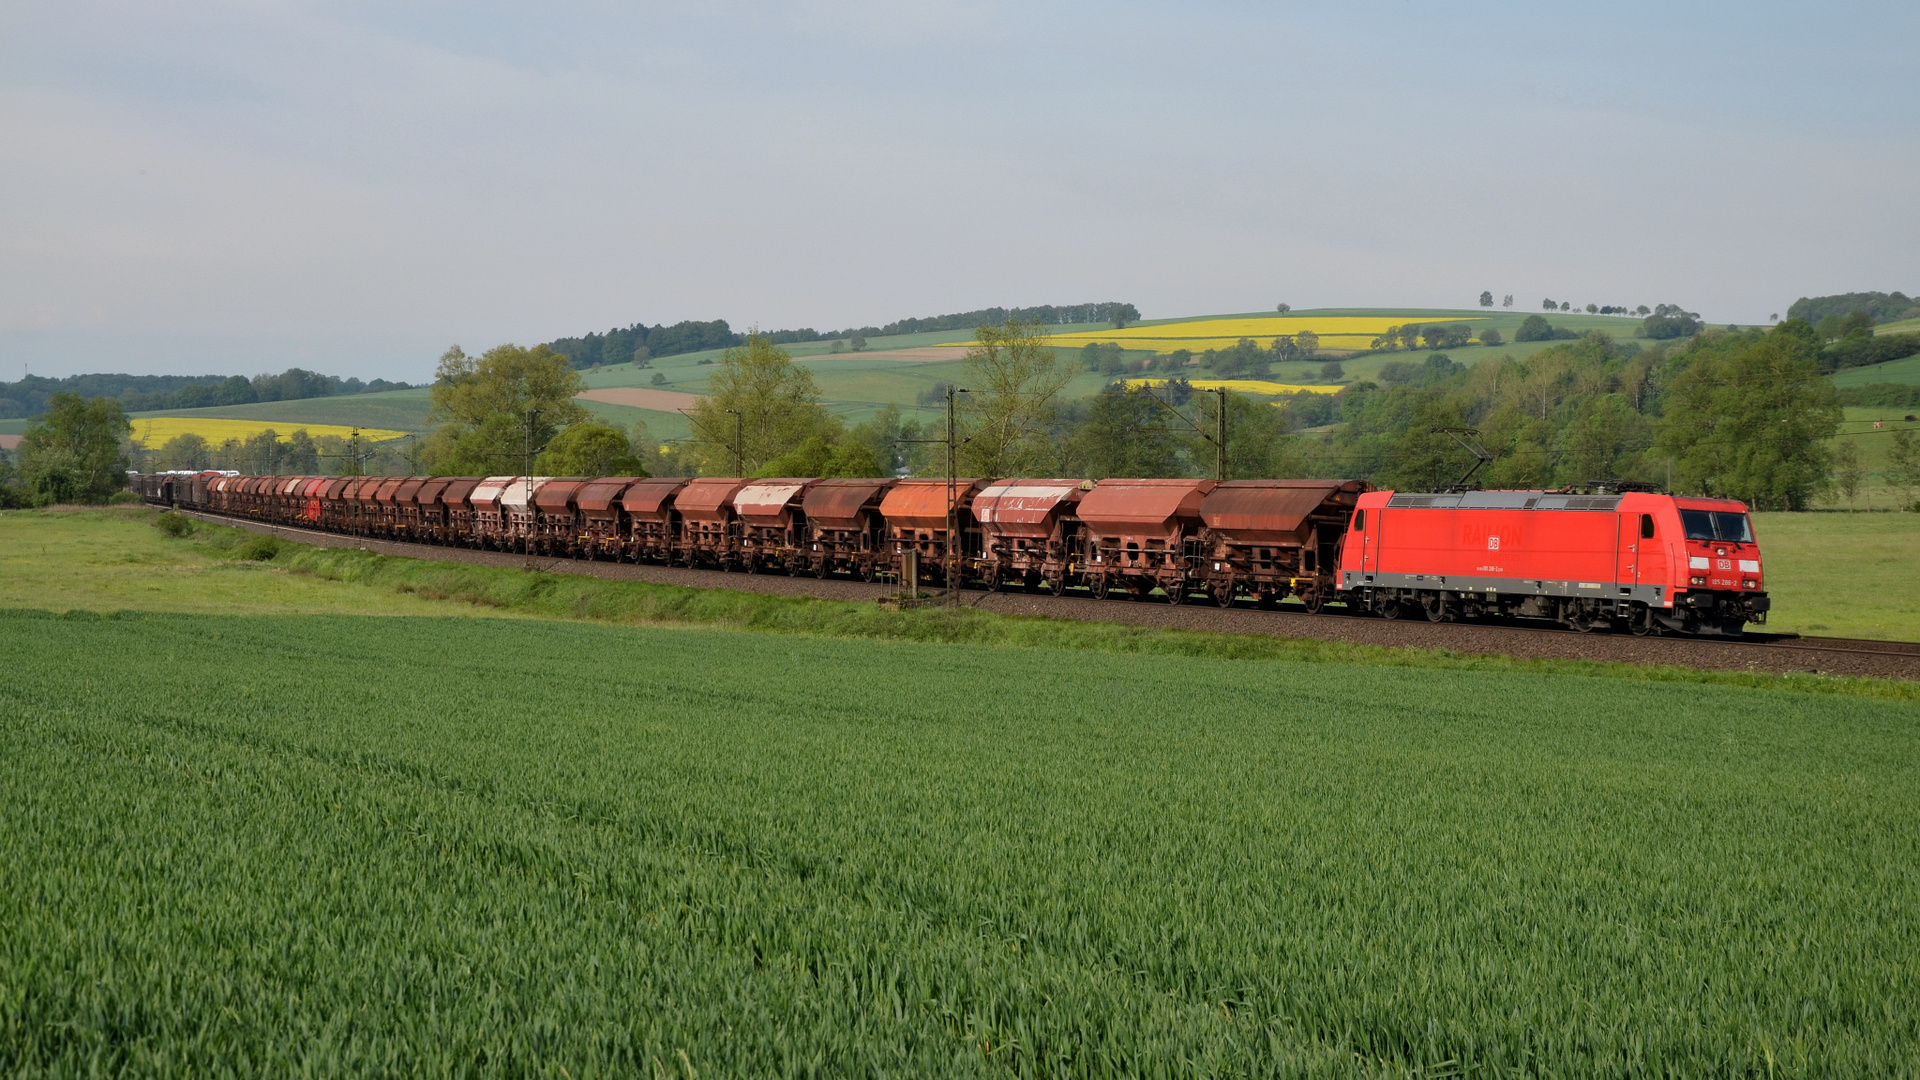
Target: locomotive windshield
(1716, 525)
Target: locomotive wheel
(1223, 594)
(1435, 605)
(1390, 609)
(1641, 623)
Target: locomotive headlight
(1747, 584)
(1696, 581)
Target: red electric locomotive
(1637, 559)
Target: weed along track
(1871, 659)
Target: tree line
(640, 344)
(33, 394)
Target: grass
(332, 845)
(106, 561)
(1843, 574)
(1906, 371)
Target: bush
(257, 548)
(122, 498)
(1491, 336)
(174, 523)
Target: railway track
(1753, 652)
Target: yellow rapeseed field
(1199, 335)
(155, 432)
(1243, 386)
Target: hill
(902, 369)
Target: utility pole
(1219, 436)
(526, 478)
(950, 569)
(739, 443)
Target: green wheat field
(258, 841)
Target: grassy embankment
(326, 844)
(106, 561)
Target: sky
(224, 187)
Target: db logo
(1493, 543)
(1723, 564)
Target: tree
(859, 342)
(1124, 432)
(1507, 301)
(817, 457)
(1332, 371)
(1491, 335)
(496, 406)
(185, 451)
(1593, 309)
(1847, 473)
(1549, 305)
(777, 402)
(1308, 343)
(1903, 465)
(1747, 417)
(1283, 308)
(72, 452)
(1014, 379)
(1486, 298)
(590, 448)
(1534, 328)
(302, 457)
(1124, 314)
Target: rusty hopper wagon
(773, 525)
(652, 513)
(428, 519)
(456, 512)
(1029, 531)
(709, 529)
(598, 502)
(915, 516)
(1270, 538)
(404, 515)
(1141, 534)
(519, 513)
(845, 527)
(557, 523)
(489, 526)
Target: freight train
(1638, 561)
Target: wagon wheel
(823, 568)
(1057, 584)
(1176, 592)
(752, 565)
(1099, 586)
(1314, 599)
(1435, 605)
(1223, 593)
(994, 581)
(793, 566)
(868, 572)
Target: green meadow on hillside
(858, 385)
